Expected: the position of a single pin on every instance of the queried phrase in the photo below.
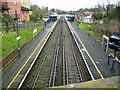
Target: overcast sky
(69, 4)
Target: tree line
(102, 12)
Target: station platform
(97, 58)
(11, 76)
(112, 82)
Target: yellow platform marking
(89, 55)
(24, 65)
(29, 58)
(83, 49)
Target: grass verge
(96, 32)
(9, 41)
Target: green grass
(93, 32)
(85, 27)
(96, 31)
(9, 41)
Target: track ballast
(59, 63)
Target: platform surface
(98, 55)
(11, 71)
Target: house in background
(18, 9)
(87, 17)
(26, 3)
(4, 9)
(25, 10)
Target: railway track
(55, 61)
(59, 63)
(73, 59)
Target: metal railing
(12, 27)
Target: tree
(53, 10)
(36, 13)
(7, 20)
(97, 16)
(117, 12)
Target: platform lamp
(18, 36)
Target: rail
(65, 62)
(54, 65)
(48, 35)
(72, 32)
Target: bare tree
(108, 19)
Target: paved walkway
(98, 55)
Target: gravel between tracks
(70, 67)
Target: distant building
(18, 9)
(87, 17)
(25, 10)
(4, 9)
(26, 3)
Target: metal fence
(12, 27)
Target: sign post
(112, 69)
(105, 42)
(109, 56)
(89, 30)
(18, 39)
(34, 31)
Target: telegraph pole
(18, 37)
(107, 16)
(118, 12)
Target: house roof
(4, 7)
(25, 9)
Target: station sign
(35, 30)
(18, 38)
(114, 46)
(115, 41)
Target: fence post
(24, 25)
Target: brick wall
(25, 15)
(15, 9)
